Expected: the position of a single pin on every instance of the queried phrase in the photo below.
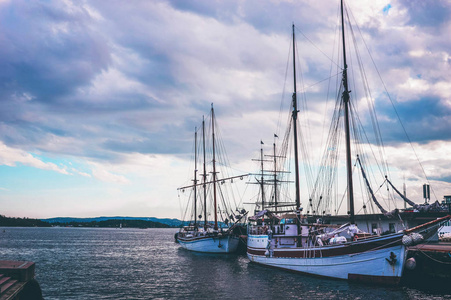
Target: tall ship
(281, 236)
(211, 215)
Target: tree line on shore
(112, 223)
(22, 222)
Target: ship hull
(210, 244)
(365, 261)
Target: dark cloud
(425, 120)
(51, 50)
(111, 78)
(427, 13)
(443, 178)
(212, 9)
(266, 16)
(54, 54)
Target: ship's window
(391, 227)
(374, 227)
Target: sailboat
(217, 236)
(287, 241)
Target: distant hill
(114, 223)
(67, 220)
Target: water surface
(97, 263)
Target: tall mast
(205, 175)
(295, 131)
(347, 131)
(275, 177)
(214, 165)
(195, 176)
(261, 180)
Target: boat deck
(444, 247)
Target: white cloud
(81, 173)
(99, 172)
(12, 156)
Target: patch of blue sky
(386, 9)
(73, 167)
(27, 179)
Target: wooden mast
(205, 175)
(195, 177)
(295, 131)
(214, 165)
(262, 186)
(275, 177)
(347, 131)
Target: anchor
(392, 261)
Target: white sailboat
(216, 236)
(287, 241)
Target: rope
(428, 241)
(396, 111)
(380, 247)
(436, 260)
(316, 47)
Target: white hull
(224, 244)
(375, 265)
(371, 264)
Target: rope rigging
(323, 191)
(226, 193)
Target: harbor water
(97, 263)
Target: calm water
(81, 263)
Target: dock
(431, 260)
(17, 280)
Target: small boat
(217, 236)
(285, 240)
(195, 238)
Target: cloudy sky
(99, 99)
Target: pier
(432, 261)
(17, 280)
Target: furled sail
(410, 202)
(370, 189)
